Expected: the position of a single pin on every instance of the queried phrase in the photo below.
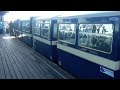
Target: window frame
(64, 40)
(27, 26)
(36, 27)
(101, 34)
(48, 37)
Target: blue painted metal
(17, 28)
(43, 48)
(28, 30)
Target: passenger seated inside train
(70, 29)
(101, 43)
(104, 30)
(98, 30)
(94, 29)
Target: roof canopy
(3, 12)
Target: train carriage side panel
(85, 61)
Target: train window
(45, 21)
(96, 36)
(1, 25)
(27, 25)
(15, 25)
(23, 26)
(36, 27)
(45, 30)
(19, 25)
(67, 33)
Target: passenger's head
(11, 21)
(103, 27)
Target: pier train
(17, 28)
(87, 46)
(1, 27)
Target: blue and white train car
(1, 27)
(17, 28)
(27, 32)
(20, 30)
(91, 49)
(45, 37)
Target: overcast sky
(13, 15)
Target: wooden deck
(19, 61)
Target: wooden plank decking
(19, 61)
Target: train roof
(102, 14)
(25, 20)
(47, 18)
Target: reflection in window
(45, 21)
(23, 26)
(67, 32)
(36, 27)
(19, 25)
(26, 26)
(45, 29)
(15, 24)
(96, 36)
(1, 25)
